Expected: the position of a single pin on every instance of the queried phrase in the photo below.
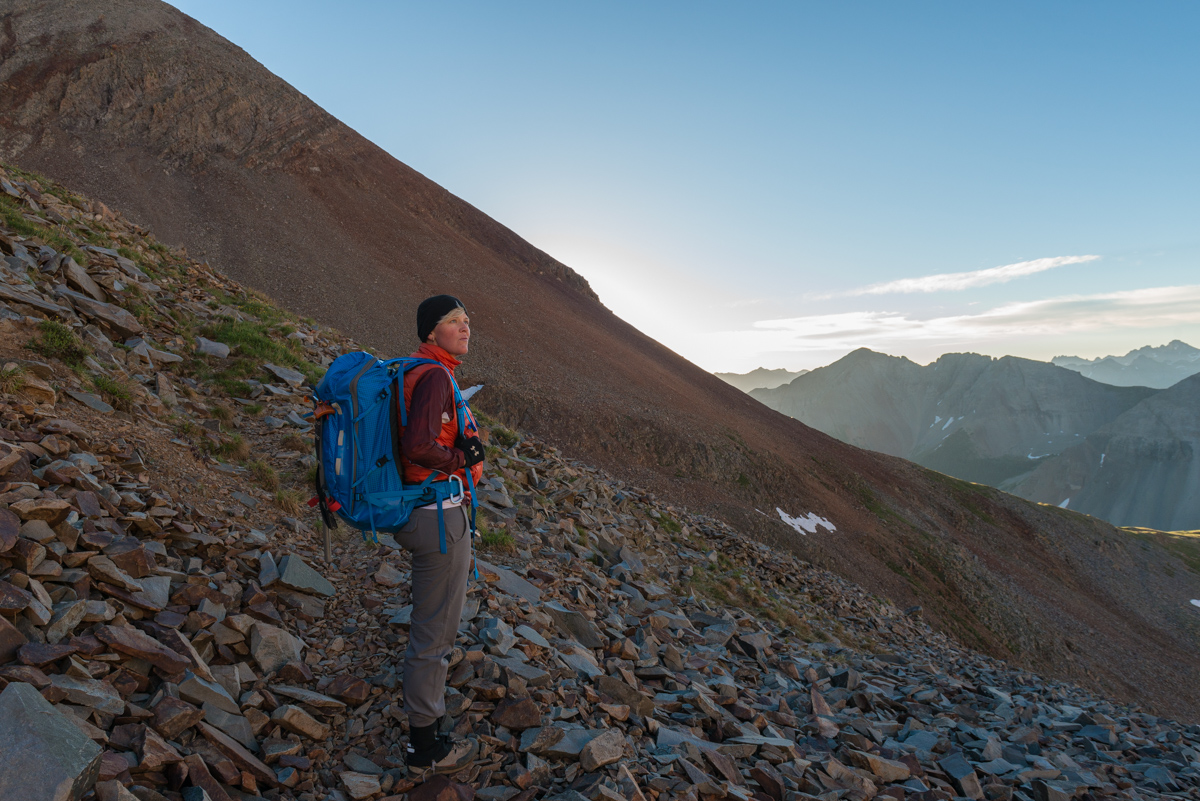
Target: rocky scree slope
(144, 108)
(170, 629)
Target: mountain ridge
(760, 378)
(1159, 367)
(995, 414)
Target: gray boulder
(46, 756)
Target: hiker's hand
(472, 449)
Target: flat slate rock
(93, 402)
(509, 582)
(294, 572)
(46, 756)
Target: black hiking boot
(430, 751)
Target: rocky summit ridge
(170, 626)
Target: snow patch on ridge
(1063, 505)
(1195, 602)
(805, 525)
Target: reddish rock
(129, 640)
(440, 788)
(88, 645)
(27, 674)
(96, 540)
(517, 714)
(88, 503)
(297, 762)
(52, 510)
(13, 599)
(238, 753)
(768, 779)
(154, 752)
(11, 640)
(350, 689)
(198, 775)
(169, 619)
(295, 672)
(172, 717)
(264, 611)
(41, 654)
(27, 554)
(112, 766)
(139, 600)
(10, 526)
(192, 594)
(132, 557)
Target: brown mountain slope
(140, 106)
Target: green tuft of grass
(235, 448)
(57, 341)
(255, 346)
(295, 442)
(115, 391)
(14, 219)
(264, 474)
(505, 437)
(254, 409)
(12, 380)
(221, 412)
(496, 541)
(290, 501)
(186, 428)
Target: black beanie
(432, 310)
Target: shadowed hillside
(141, 107)
(1142, 469)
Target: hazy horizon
(945, 353)
(777, 185)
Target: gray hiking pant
(439, 590)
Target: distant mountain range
(1159, 367)
(759, 378)
(1028, 427)
(1140, 469)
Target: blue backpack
(359, 419)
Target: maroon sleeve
(432, 397)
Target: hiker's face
(454, 334)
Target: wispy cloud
(952, 282)
(1053, 317)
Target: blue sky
(754, 184)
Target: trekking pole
(328, 537)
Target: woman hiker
(432, 443)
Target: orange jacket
(428, 441)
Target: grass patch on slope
(14, 220)
(1183, 544)
(57, 341)
(254, 344)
